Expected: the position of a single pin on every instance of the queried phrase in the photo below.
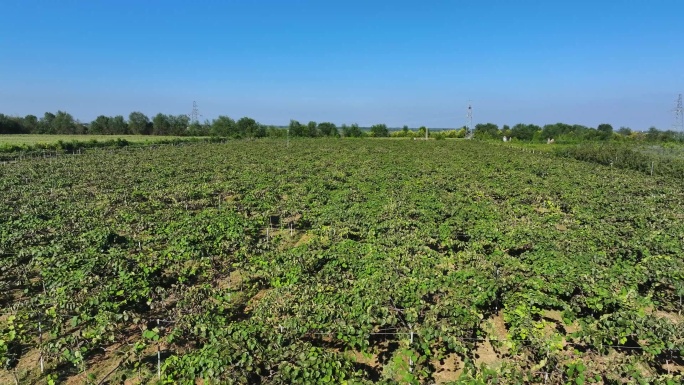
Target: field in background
(49, 139)
(669, 151)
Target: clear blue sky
(394, 62)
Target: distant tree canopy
(296, 129)
(524, 131)
(405, 132)
(312, 129)
(486, 131)
(8, 125)
(352, 131)
(161, 125)
(118, 125)
(379, 130)
(605, 131)
(138, 123)
(223, 126)
(63, 123)
(328, 129)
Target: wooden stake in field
(158, 352)
(40, 341)
(268, 230)
(410, 344)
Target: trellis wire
(409, 333)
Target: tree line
(561, 132)
(138, 123)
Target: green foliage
(100, 125)
(64, 123)
(352, 131)
(249, 128)
(525, 132)
(117, 126)
(328, 129)
(461, 133)
(9, 125)
(45, 124)
(224, 126)
(486, 131)
(47, 146)
(139, 123)
(381, 261)
(296, 129)
(626, 157)
(161, 125)
(605, 131)
(379, 130)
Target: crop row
(359, 261)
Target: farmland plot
(339, 261)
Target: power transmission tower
(469, 121)
(194, 115)
(678, 125)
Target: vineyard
(338, 261)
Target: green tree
(667, 136)
(161, 125)
(625, 131)
(247, 127)
(223, 126)
(199, 129)
(605, 131)
(261, 130)
(81, 128)
(312, 129)
(45, 123)
(178, 124)
(571, 133)
(30, 124)
(524, 131)
(100, 125)
(63, 123)
(296, 129)
(352, 131)
(118, 126)
(328, 129)
(379, 130)
(487, 131)
(139, 123)
(276, 132)
(550, 131)
(10, 125)
(459, 133)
